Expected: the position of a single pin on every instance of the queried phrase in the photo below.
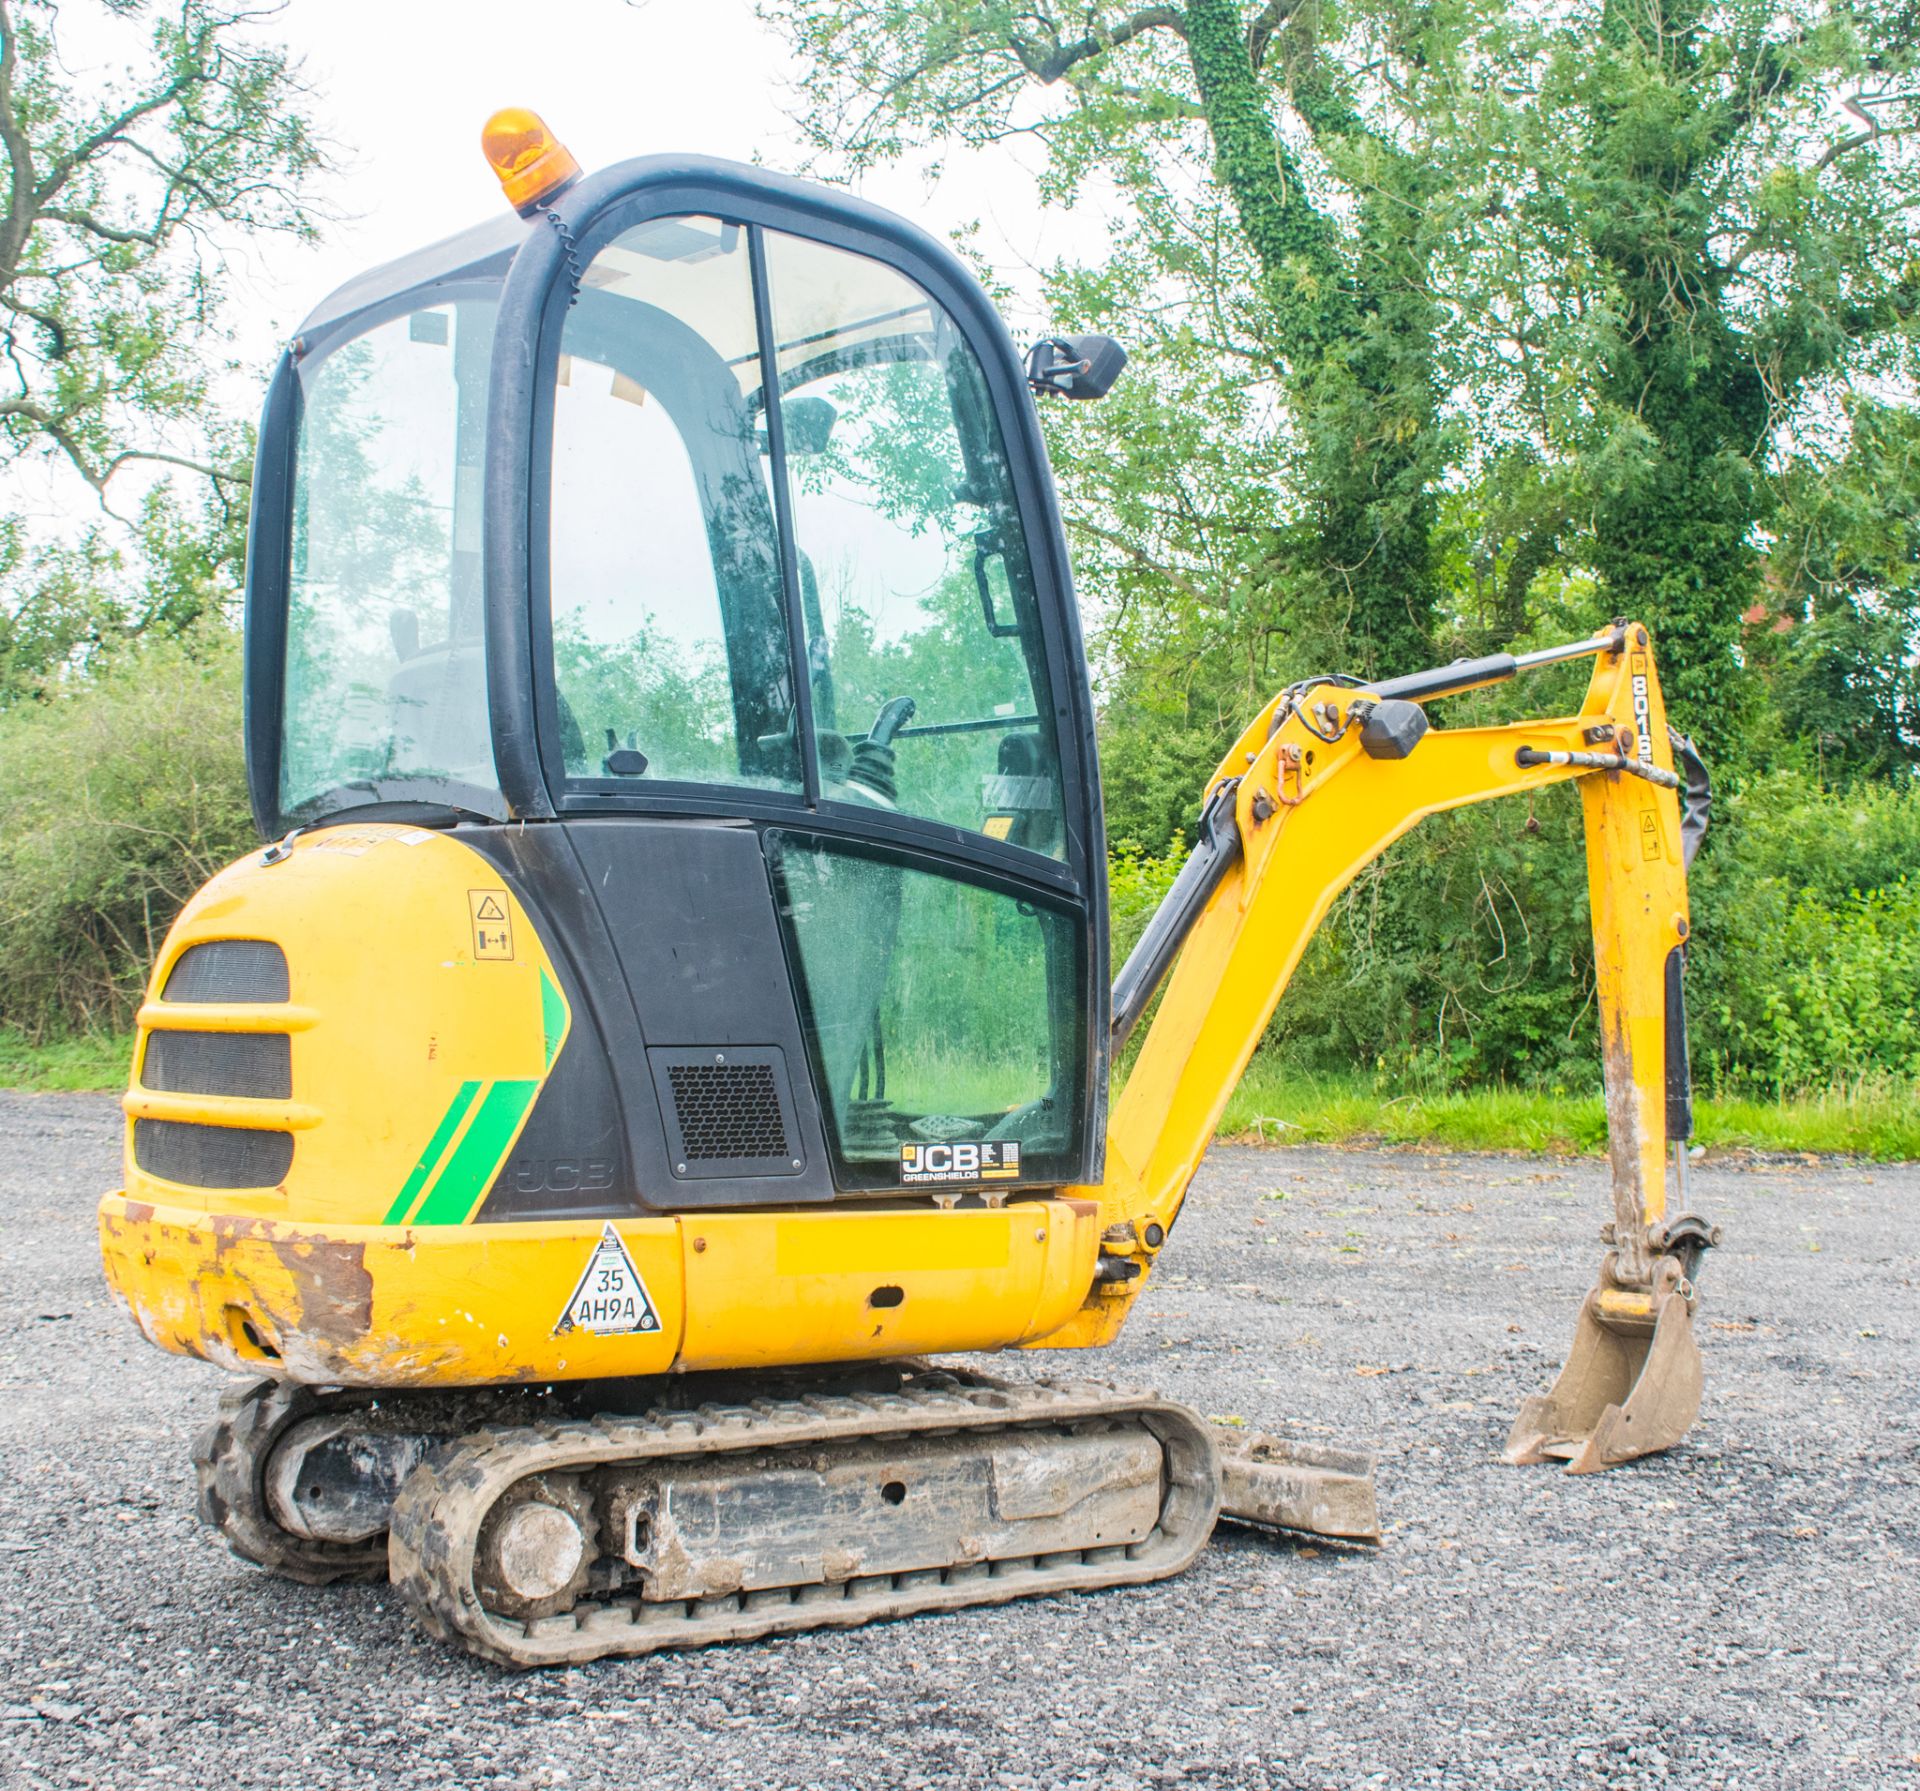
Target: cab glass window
(386, 694)
(670, 646)
(938, 1013)
(922, 636)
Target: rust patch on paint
(332, 1286)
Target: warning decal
(610, 1300)
(492, 926)
(993, 1160)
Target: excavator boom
(1325, 778)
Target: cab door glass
(670, 644)
(943, 1019)
(924, 651)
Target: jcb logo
(995, 1160)
(941, 1159)
(562, 1175)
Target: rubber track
(229, 1464)
(230, 1457)
(437, 1517)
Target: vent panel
(247, 970)
(257, 1066)
(211, 1156)
(727, 1111)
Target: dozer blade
(1631, 1385)
(1286, 1485)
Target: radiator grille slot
(256, 1065)
(211, 1156)
(229, 970)
(727, 1112)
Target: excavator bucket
(1631, 1385)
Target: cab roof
(484, 248)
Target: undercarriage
(541, 1527)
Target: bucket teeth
(1630, 1387)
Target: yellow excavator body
(582, 1150)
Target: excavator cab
(702, 519)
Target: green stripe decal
(553, 1016)
(449, 1124)
(469, 1173)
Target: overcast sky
(402, 88)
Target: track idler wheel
(1632, 1381)
(230, 1460)
(302, 1480)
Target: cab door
(780, 556)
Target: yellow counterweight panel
(424, 1014)
(364, 1305)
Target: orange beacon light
(530, 162)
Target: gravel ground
(1741, 1613)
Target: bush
(1137, 880)
(118, 798)
(1806, 968)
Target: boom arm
(1326, 778)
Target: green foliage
(1806, 966)
(119, 796)
(1688, 252)
(1837, 642)
(1462, 959)
(67, 606)
(82, 1062)
(1137, 882)
(1299, 274)
(1435, 308)
(119, 187)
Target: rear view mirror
(1075, 366)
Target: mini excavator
(675, 1002)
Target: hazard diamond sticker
(611, 1300)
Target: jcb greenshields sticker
(987, 1160)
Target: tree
(116, 204)
(71, 604)
(1302, 265)
(1701, 234)
(1835, 632)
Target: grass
(88, 1061)
(1276, 1106)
